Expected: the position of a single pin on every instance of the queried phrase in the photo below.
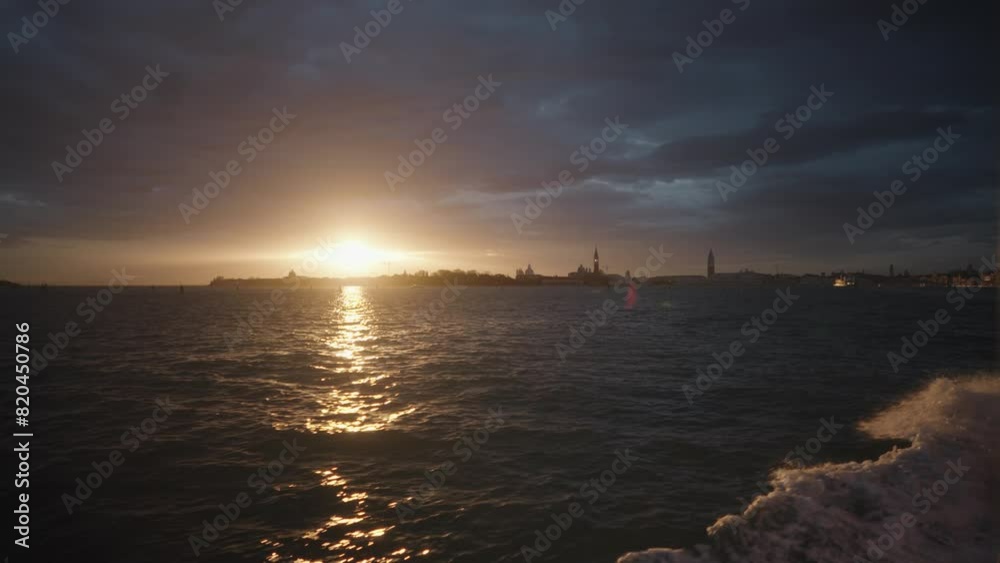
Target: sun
(353, 252)
(354, 257)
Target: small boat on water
(844, 281)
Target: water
(377, 394)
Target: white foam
(829, 513)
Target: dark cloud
(608, 59)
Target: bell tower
(711, 263)
(597, 262)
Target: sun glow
(351, 257)
(352, 253)
(354, 257)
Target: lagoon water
(457, 436)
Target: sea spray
(834, 513)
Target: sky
(349, 107)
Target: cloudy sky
(323, 176)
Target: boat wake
(936, 501)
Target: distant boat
(844, 281)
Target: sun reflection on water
(354, 318)
(348, 536)
(359, 397)
(353, 393)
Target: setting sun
(355, 257)
(353, 253)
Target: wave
(914, 504)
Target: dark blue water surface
(377, 392)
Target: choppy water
(378, 396)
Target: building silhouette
(582, 275)
(711, 263)
(527, 275)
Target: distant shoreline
(473, 279)
(737, 279)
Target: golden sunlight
(354, 253)
(353, 257)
